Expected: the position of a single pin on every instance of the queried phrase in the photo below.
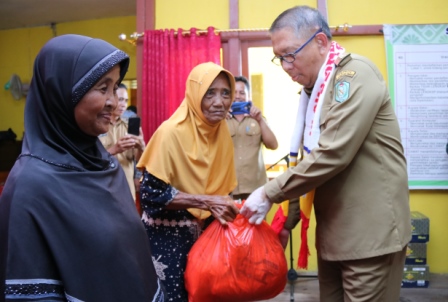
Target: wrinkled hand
(256, 206)
(223, 208)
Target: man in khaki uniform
(355, 163)
(127, 148)
(249, 131)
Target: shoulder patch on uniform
(345, 73)
(342, 91)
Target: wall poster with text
(417, 68)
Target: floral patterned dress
(171, 234)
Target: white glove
(256, 206)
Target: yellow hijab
(186, 151)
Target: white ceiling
(32, 13)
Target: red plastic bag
(239, 262)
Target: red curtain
(168, 58)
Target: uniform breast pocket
(253, 133)
(253, 129)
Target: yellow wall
(260, 14)
(19, 48)
(192, 13)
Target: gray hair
(302, 19)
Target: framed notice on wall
(417, 67)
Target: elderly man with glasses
(351, 167)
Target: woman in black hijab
(69, 230)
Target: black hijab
(64, 70)
(69, 229)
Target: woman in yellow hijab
(188, 174)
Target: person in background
(127, 148)
(249, 131)
(188, 174)
(354, 170)
(68, 230)
(131, 111)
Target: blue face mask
(241, 107)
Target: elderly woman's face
(217, 100)
(94, 112)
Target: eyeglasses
(290, 57)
